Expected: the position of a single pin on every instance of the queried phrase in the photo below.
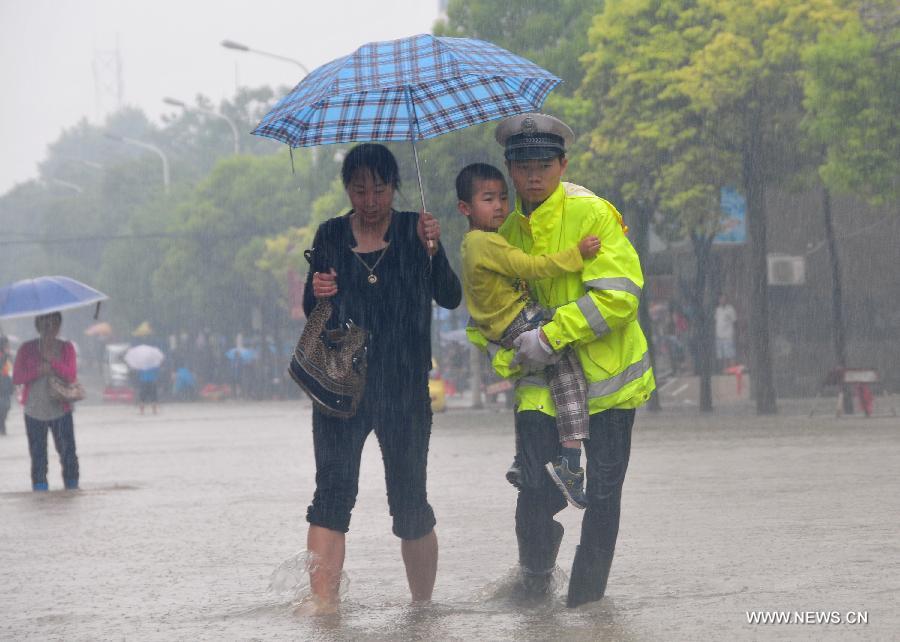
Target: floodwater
(183, 518)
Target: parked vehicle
(116, 377)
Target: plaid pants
(568, 386)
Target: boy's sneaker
(570, 482)
(514, 474)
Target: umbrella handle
(413, 134)
(421, 187)
(429, 243)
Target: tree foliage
(222, 228)
(552, 35)
(695, 95)
(852, 97)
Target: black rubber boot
(538, 561)
(589, 574)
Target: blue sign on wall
(732, 228)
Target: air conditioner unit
(787, 270)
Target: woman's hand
(49, 351)
(325, 284)
(429, 231)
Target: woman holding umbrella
(36, 361)
(383, 269)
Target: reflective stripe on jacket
(596, 309)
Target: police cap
(533, 136)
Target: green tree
(222, 227)
(718, 94)
(746, 81)
(852, 97)
(553, 35)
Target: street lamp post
(81, 161)
(69, 185)
(236, 46)
(150, 147)
(234, 129)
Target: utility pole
(108, 86)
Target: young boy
(494, 282)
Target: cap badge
(528, 126)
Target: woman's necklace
(372, 278)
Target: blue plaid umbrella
(407, 89)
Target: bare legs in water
(327, 550)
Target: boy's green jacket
(595, 310)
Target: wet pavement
(182, 518)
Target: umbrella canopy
(45, 294)
(246, 355)
(101, 329)
(143, 330)
(144, 357)
(408, 89)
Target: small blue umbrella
(45, 294)
(408, 89)
(246, 355)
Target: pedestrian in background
(36, 362)
(148, 389)
(184, 387)
(6, 383)
(726, 317)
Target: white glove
(532, 352)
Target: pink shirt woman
(36, 361)
(30, 367)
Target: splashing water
(291, 577)
(510, 588)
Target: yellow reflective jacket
(494, 274)
(595, 310)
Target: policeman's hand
(532, 351)
(429, 231)
(589, 246)
(325, 284)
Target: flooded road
(183, 517)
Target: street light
(234, 130)
(148, 146)
(81, 161)
(231, 44)
(72, 186)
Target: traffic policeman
(596, 314)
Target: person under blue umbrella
(37, 361)
(379, 268)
